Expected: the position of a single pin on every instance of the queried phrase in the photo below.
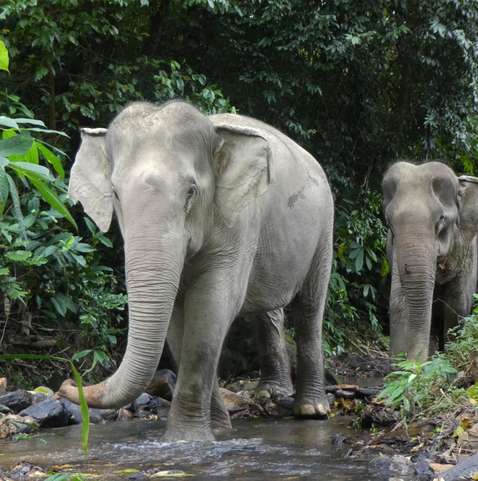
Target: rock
(163, 384)
(12, 424)
(423, 471)
(401, 465)
(3, 385)
(97, 416)
(24, 471)
(16, 400)
(38, 397)
(396, 465)
(49, 413)
(146, 405)
(4, 409)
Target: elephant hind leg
(220, 419)
(311, 400)
(273, 358)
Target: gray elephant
(433, 223)
(221, 216)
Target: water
(264, 450)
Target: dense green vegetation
(440, 385)
(357, 83)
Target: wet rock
(138, 477)
(163, 384)
(423, 471)
(24, 471)
(4, 409)
(49, 413)
(97, 416)
(38, 397)
(16, 400)
(393, 466)
(146, 405)
(12, 424)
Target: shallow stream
(256, 449)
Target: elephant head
(174, 179)
(428, 211)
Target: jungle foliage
(447, 380)
(358, 83)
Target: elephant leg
(398, 315)
(220, 419)
(209, 308)
(311, 400)
(273, 358)
(457, 300)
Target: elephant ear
(90, 178)
(468, 202)
(243, 168)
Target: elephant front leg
(273, 358)
(207, 317)
(220, 420)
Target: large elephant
(433, 223)
(221, 216)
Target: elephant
(221, 216)
(432, 217)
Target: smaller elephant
(432, 217)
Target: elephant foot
(312, 409)
(183, 434)
(274, 390)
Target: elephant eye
(192, 191)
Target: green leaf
(17, 145)
(85, 415)
(52, 159)
(8, 122)
(17, 210)
(4, 60)
(23, 120)
(29, 168)
(4, 190)
(359, 261)
(18, 256)
(49, 196)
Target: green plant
(429, 387)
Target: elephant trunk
(152, 284)
(416, 261)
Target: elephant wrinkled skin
(432, 245)
(221, 216)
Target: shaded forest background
(358, 83)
